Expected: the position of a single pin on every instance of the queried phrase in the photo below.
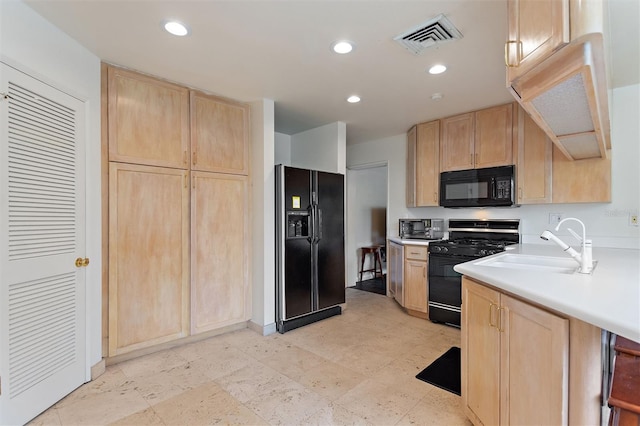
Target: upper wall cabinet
(556, 70)
(533, 164)
(456, 145)
(423, 155)
(477, 139)
(219, 135)
(148, 120)
(538, 28)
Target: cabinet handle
(195, 157)
(476, 162)
(499, 327)
(471, 159)
(435, 197)
(184, 157)
(491, 306)
(512, 53)
(520, 193)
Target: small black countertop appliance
(421, 229)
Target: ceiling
(280, 50)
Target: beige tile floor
(354, 369)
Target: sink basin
(558, 265)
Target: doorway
(367, 198)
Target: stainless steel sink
(558, 265)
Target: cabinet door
(398, 262)
(411, 166)
(536, 28)
(219, 250)
(148, 120)
(581, 181)
(480, 353)
(427, 176)
(392, 252)
(415, 285)
(456, 145)
(219, 135)
(534, 161)
(534, 361)
(148, 256)
(493, 137)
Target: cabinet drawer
(416, 252)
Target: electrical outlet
(555, 218)
(633, 220)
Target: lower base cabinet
(514, 360)
(407, 269)
(395, 267)
(415, 280)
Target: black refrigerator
(310, 269)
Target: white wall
(366, 200)
(607, 223)
(263, 216)
(282, 149)
(27, 43)
(322, 148)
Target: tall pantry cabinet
(178, 261)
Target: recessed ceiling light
(437, 69)
(342, 47)
(176, 28)
(436, 96)
(353, 99)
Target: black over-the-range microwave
(489, 187)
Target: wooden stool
(377, 261)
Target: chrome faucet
(585, 258)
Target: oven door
(445, 288)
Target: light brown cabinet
(538, 28)
(477, 139)
(533, 169)
(219, 135)
(545, 175)
(423, 157)
(456, 145)
(395, 266)
(514, 359)
(219, 250)
(581, 181)
(148, 256)
(177, 235)
(415, 280)
(148, 120)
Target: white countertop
(412, 242)
(608, 298)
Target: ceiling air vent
(431, 33)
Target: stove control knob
(483, 252)
(445, 249)
(435, 249)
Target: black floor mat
(444, 372)
(375, 285)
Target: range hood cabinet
(566, 95)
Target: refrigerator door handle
(312, 224)
(319, 236)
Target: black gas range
(468, 239)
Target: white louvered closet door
(42, 230)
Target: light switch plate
(555, 218)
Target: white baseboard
(263, 330)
